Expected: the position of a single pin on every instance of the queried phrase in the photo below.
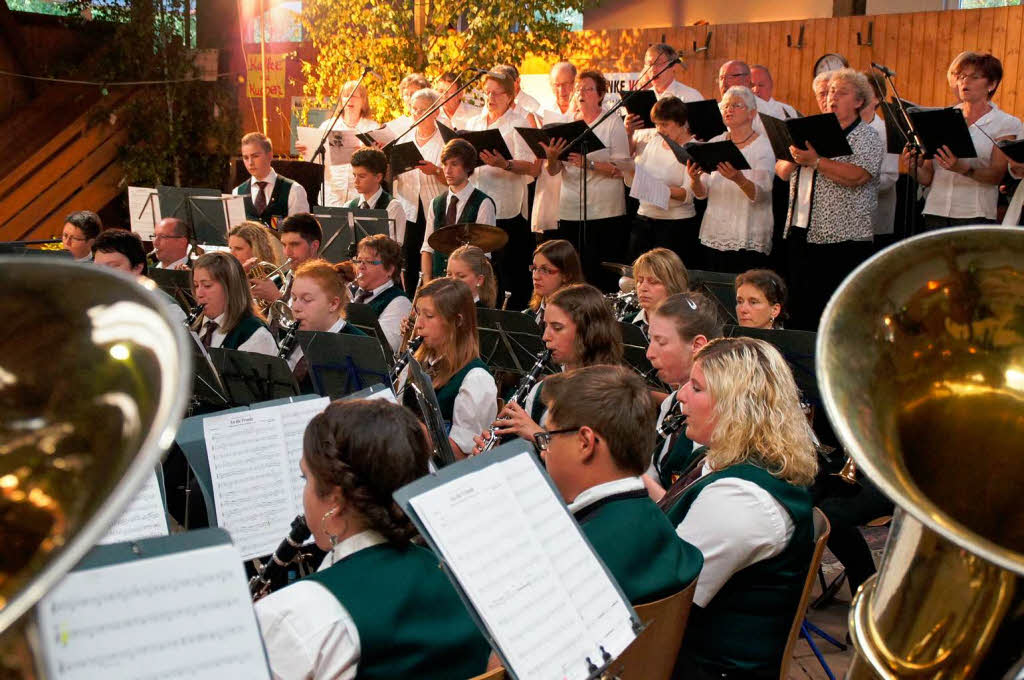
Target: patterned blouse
(839, 213)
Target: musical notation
(143, 518)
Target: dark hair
(369, 449)
(990, 68)
(600, 82)
(671, 109)
(611, 400)
(769, 283)
(303, 224)
(598, 336)
(665, 49)
(86, 220)
(693, 314)
(373, 160)
(122, 241)
(461, 150)
(388, 250)
(564, 257)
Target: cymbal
(620, 269)
(483, 236)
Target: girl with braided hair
(378, 606)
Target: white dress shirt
(506, 189)
(476, 407)
(340, 189)
(173, 265)
(605, 195)
(390, 319)
(732, 221)
(463, 114)
(885, 215)
(595, 493)
(659, 162)
(395, 212)
(260, 342)
(297, 354)
(681, 91)
(546, 197)
(734, 523)
(414, 188)
(776, 109)
(308, 633)
(297, 200)
(485, 215)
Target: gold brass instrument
(279, 314)
(849, 472)
(94, 379)
(920, 359)
(410, 321)
(267, 270)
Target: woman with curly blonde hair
(750, 512)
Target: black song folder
(566, 131)
(640, 103)
(705, 119)
(943, 127)
(403, 157)
(709, 154)
(822, 131)
(482, 140)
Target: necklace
(752, 133)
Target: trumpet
(519, 397)
(403, 361)
(266, 270)
(194, 314)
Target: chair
(497, 674)
(801, 626)
(830, 590)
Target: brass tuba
(920, 360)
(94, 378)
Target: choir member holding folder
(230, 318)
(378, 606)
(737, 228)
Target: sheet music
(310, 138)
(234, 204)
(519, 556)
(143, 211)
(254, 462)
(341, 145)
(383, 136)
(143, 518)
(648, 189)
(185, 615)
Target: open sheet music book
(517, 557)
(144, 517)
(172, 608)
(254, 464)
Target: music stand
(176, 283)
(203, 210)
(351, 225)
(362, 316)
(250, 377)
(796, 347)
(634, 353)
(208, 391)
(720, 287)
(340, 364)
(430, 412)
(509, 341)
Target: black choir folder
(640, 103)
(822, 131)
(1013, 148)
(708, 154)
(176, 607)
(482, 140)
(704, 119)
(403, 157)
(942, 127)
(527, 574)
(570, 132)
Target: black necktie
(301, 369)
(361, 296)
(364, 206)
(449, 216)
(208, 328)
(261, 197)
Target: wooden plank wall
(917, 46)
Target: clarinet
(260, 584)
(670, 424)
(519, 397)
(288, 341)
(402, 361)
(193, 314)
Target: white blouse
(414, 188)
(659, 162)
(475, 408)
(885, 215)
(732, 221)
(340, 189)
(605, 195)
(462, 115)
(507, 189)
(954, 195)
(546, 198)
(260, 342)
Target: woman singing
(760, 299)
(230, 318)
(470, 265)
(658, 273)
(750, 513)
(378, 606)
(555, 265)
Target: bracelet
(508, 166)
(590, 165)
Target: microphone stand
(914, 142)
(321, 150)
(437, 105)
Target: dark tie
(364, 206)
(301, 370)
(361, 296)
(208, 328)
(261, 197)
(449, 216)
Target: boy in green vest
(461, 204)
(597, 444)
(269, 197)
(368, 169)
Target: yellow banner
(275, 75)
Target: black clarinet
(288, 340)
(193, 314)
(519, 396)
(404, 360)
(260, 584)
(670, 424)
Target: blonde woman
(251, 242)
(750, 512)
(470, 265)
(230, 318)
(659, 273)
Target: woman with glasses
(80, 231)
(760, 299)
(555, 265)
(606, 237)
(749, 512)
(736, 231)
(378, 284)
(230, 317)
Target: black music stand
(430, 412)
(796, 347)
(634, 352)
(720, 287)
(249, 377)
(176, 283)
(351, 225)
(341, 364)
(362, 316)
(309, 175)
(509, 341)
(208, 390)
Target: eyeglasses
(542, 439)
(161, 237)
(73, 238)
(586, 89)
(543, 269)
(368, 263)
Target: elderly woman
(750, 510)
(832, 202)
(965, 191)
(737, 228)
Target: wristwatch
(590, 165)
(508, 166)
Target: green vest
(383, 201)
(539, 409)
(349, 329)
(411, 622)
(380, 303)
(746, 625)
(243, 331)
(676, 460)
(277, 204)
(446, 393)
(440, 205)
(639, 546)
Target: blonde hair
(454, 303)
(757, 410)
(259, 239)
(258, 138)
(350, 87)
(226, 270)
(481, 266)
(664, 265)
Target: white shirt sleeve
(485, 215)
(397, 213)
(308, 634)
(260, 342)
(298, 202)
(476, 406)
(734, 523)
(391, 320)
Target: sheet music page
(341, 145)
(143, 211)
(310, 138)
(185, 615)
(143, 518)
(384, 135)
(520, 559)
(235, 206)
(294, 419)
(648, 189)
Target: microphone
(490, 74)
(368, 70)
(883, 69)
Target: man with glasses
(596, 446)
(664, 85)
(80, 231)
(170, 244)
(378, 284)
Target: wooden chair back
(821, 532)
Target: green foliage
(980, 4)
(381, 32)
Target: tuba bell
(920, 359)
(94, 378)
